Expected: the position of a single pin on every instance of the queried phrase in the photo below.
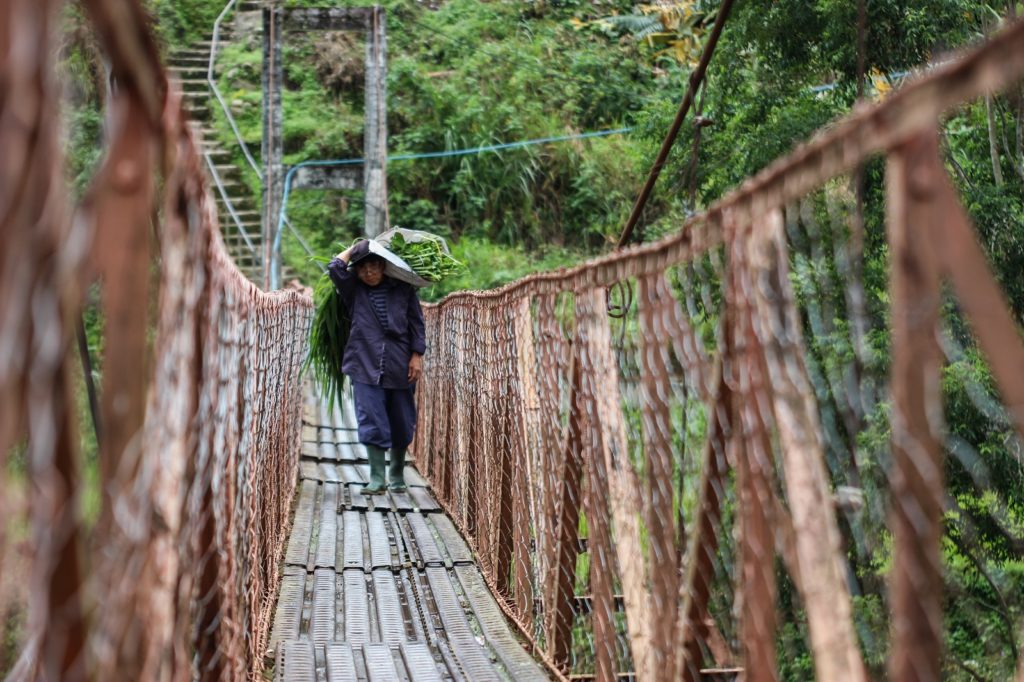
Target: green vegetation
(328, 337)
(426, 257)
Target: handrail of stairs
(216, 91)
(302, 242)
(231, 209)
(212, 82)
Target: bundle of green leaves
(428, 258)
(327, 339)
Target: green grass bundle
(427, 258)
(327, 338)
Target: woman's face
(370, 272)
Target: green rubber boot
(396, 471)
(376, 486)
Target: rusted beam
(599, 368)
(550, 369)
(753, 460)
(39, 297)
(272, 151)
(655, 304)
(702, 546)
(980, 297)
(522, 385)
(694, 628)
(822, 582)
(595, 498)
(559, 594)
(523, 510)
(375, 135)
(914, 183)
(119, 205)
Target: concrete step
(197, 72)
(197, 112)
(242, 203)
(248, 217)
(250, 226)
(243, 195)
(203, 128)
(190, 58)
(239, 249)
(236, 190)
(239, 192)
(197, 66)
(195, 87)
(242, 255)
(226, 169)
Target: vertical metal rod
(272, 78)
(375, 135)
(561, 588)
(913, 180)
(655, 386)
(753, 460)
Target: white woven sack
(395, 266)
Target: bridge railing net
(175, 576)
(726, 449)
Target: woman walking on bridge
(383, 358)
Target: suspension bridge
(552, 528)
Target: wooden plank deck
(381, 587)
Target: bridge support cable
(212, 82)
(695, 80)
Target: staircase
(189, 66)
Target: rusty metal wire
(201, 404)
(674, 492)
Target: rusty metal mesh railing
(175, 577)
(711, 453)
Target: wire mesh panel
(175, 575)
(722, 454)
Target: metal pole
(273, 75)
(376, 133)
(695, 80)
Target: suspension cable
(695, 80)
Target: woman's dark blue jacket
(374, 354)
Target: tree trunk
(993, 147)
